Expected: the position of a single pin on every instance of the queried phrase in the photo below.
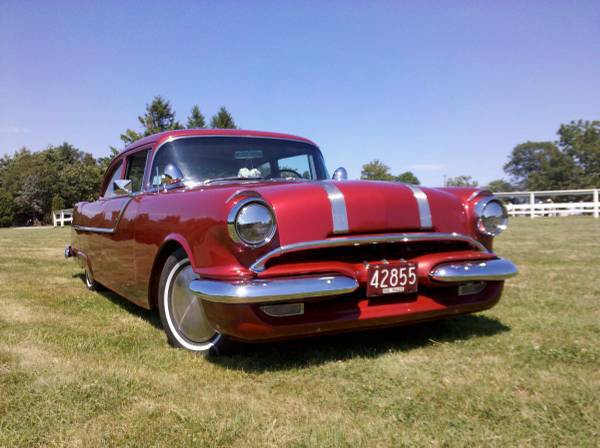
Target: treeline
(32, 184)
(570, 162)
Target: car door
(116, 262)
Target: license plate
(395, 277)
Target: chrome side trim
(471, 271)
(106, 230)
(339, 214)
(272, 290)
(260, 263)
(423, 204)
(94, 229)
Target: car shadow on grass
(307, 352)
(148, 315)
(302, 353)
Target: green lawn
(86, 369)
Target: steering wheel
(289, 170)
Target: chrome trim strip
(470, 271)
(423, 204)
(107, 230)
(339, 214)
(272, 290)
(259, 264)
(94, 229)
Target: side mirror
(340, 174)
(122, 187)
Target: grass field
(85, 369)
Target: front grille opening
(369, 252)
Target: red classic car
(241, 236)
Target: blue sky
(439, 88)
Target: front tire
(182, 313)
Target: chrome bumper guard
(272, 290)
(299, 288)
(474, 271)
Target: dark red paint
(128, 260)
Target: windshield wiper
(230, 178)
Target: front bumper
(305, 287)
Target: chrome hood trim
(339, 214)
(260, 264)
(423, 204)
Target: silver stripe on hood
(339, 213)
(423, 204)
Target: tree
(500, 185)
(158, 117)
(461, 181)
(196, 119)
(35, 180)
(7, 213)
(580, 140)
(408, 177)
(222, 120)
(104, 162)
(130, 136)
(58, 203)
(542, 166)
(376, 170)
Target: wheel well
(159, 262)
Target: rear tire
(182, 313)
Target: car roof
(161, 136)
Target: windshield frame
(153, 188)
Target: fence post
(54, 218)
(532, 204)
(596, 204)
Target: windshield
(237, 158)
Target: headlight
(492, 218)
(251, 222)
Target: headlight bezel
(232, 222)
(479, 210)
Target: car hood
(316, 210)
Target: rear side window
(135, 169)
(110, 192)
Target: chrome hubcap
(187, 312)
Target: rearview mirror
(172, 174)
(340, 174)
(122, 187)
(171, 177)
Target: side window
(135, 169)
(110, 192)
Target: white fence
(541, 203)
(62, 216)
